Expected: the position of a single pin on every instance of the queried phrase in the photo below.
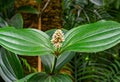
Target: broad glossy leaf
(9, 66)
(94, 37)
(16, 21)
(43, 77)
(28, 9)
(63, 59)
(25, 41)
(48, 62)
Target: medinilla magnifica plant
(57, 50)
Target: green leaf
(6, 4)
(38, 1)
(43, 77)
(97, 2)
(94, 37)
(28, 9)
(16, 21)
(63, 59)
(3, 23)
(25, 41)
(48, 62)
(24, 79)
(117, 4)
(9, 65)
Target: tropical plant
(93, 67)
(10, 66)
(94, 37)
(10, 16)
(76, 12)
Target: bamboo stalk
(39, 28)
(39, 59)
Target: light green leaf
(43, 77)
(9, 65)
(94, 37)
(28, 9)
(25, 41)
(16, 21)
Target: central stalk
(57, 39)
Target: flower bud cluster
(57, 38)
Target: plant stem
(39, 17)
(55, 61)
(39, 28)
